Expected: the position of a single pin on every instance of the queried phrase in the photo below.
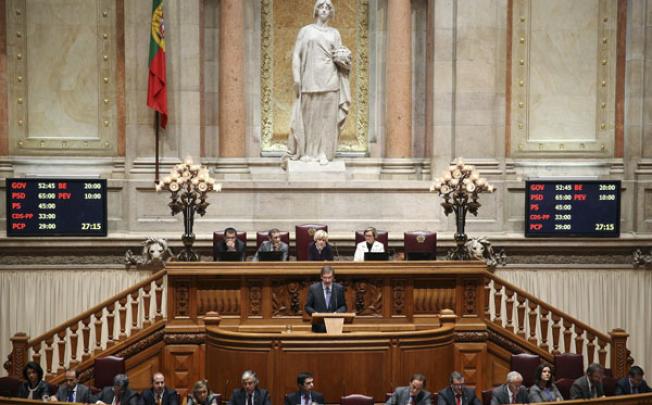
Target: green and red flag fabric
(157, 98)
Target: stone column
(232, 95)
(399, 79)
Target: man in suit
(119, 394)
(456, 393)
(250, 394)
(633, 383)
(305, 395)
(413, 394)
(231, 243)
(326, 296)
(273, 244)
(159, 394)
(512, 392)
(71, 390)
(590, 385)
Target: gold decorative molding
(280, 23)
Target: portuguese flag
(156, 91)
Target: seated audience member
(590, 385)
(34, 387)
(159, 394)
(414, 393)
(456, 393)
(320, 250)
(71, 390)
(370, 244)
(201, 395)
(512, 392)
(305, 395)
(231, 243)
(325, 296)
(250, 393)
(544, 389)
(273, 244)
(119, 393)
(633, 383)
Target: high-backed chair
(218, 237)
(486, 396)
(9, 386)
(526, 364)
(106, 368)
(421, 245)
(609, 386)
(261, 237)
(356, 399)
(304, 237)
(564, 385)
(568, 365)
(381, 236)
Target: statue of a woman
(320, 69)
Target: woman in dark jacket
(320, 250)
(34, 387)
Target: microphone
(336, 251)
(226, 384)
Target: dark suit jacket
(447, 397)
(83, 394)
(401, 396)
(239, 397)
(315, 256)
(239, 246)
(623, 387)
(580, 389)
(41, 390)
(317, 303)
(294, 398)
(106, 396)
(501, 396)
(169, 397)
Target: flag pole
(156, 164)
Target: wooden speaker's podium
(334, 321)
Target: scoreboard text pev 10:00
(572, 208)
(56, 207)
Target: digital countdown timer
(572, 208)
(56, 207)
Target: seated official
(320, 250)
(590, 385)
(544, 389)
(34, 386)
(633, 383)
(325, 296)
(71, 390)
(414, 394)
(273, 244)
(456, 393)
(119, 393)
(159, 394)
(370, 244)
(201, 395)
(250, 394)
(512, 392)
(231, 243)
(305, 395)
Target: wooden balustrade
(569, 335)
(61, 344)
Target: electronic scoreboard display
(56, 207)
(572, 208)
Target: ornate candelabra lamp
(189, 183)
(459, 186)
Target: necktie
(158, 399)
(306, 399)
(458, 399)
(328, 297)
(71, 396)
(413, 400)
(250, 400)
(514, 398)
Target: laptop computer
(376, 256)
(227, 256)
(421, 256)
(270, 256)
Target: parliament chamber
(175, 174)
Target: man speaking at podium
(326, 296)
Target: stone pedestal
(313, 171)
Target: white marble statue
(320, 70)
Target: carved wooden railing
(97, 329)
(548, 331)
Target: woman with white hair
(320, 249)
(320, 72)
